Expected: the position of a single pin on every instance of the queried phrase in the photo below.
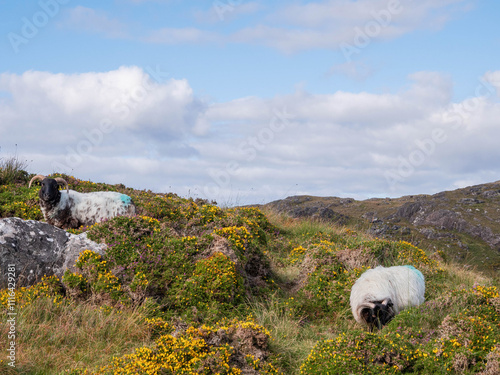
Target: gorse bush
(194, 352)
(214, 279)
(358, 352)
(22, 202)
(49, 287)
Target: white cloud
(334, 23)
(357, 13)
(170, 35)
(327, 24)
(117, 112)
(353, 69)
(252, 150)
(224, 11)
(349, 143)
(94, 21)
(493, 79)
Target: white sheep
(72, 209)
(381, 293)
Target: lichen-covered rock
(36, 249)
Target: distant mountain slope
(463, 223)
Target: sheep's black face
(49, 191)
(379, 316)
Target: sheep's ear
(387, 302)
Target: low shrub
(234, 347)
(214, 280)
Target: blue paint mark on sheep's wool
(411, 267)
(416, 271)
(126, 199)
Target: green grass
(187, 286)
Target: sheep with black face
(72, 209)
(381, 293)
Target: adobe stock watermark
(226, 6)
(249, 149)
(31, 26)
(121, 108)
(11, 315)
(424, 148)
(381, 19)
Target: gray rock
(301, 207)
(345, 201)
(379, 230)
(470, 201)
(441, 196)
(452, 221)
(382, 229)
(444, 220)
(408, 210)
(491, 193)
(433, 234)
(475, 190)
(37, 249)
(329, 214)
(370, 216)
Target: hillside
(464, 223)
(186, 287)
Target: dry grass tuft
(356, 258)
(13, 170)
(54, 338)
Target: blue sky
(246, 101)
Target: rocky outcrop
(449, 221)
(408, 210)
(305, 206)
(442, 219)
(36, 249)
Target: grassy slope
(193, 285)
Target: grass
(56, 336)
(290, 338)
(12, 170)
(187, 287)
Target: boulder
(470, 201)
(408, 210)
(36, 249)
